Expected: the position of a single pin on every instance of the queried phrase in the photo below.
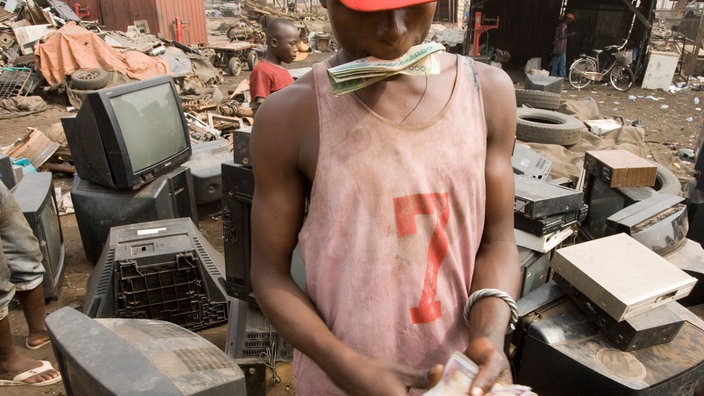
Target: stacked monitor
(128, 143)
(125, 136)
(35, 195)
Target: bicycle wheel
(622, 78)
(577, 70)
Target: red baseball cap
(380, 5)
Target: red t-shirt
(267, 78)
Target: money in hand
(458, 376)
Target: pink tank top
(396, 217)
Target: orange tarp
(74, 47)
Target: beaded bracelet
(492, 293)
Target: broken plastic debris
(664, 106)
(689, 119)
(686, 153)
(631, 97)
(696, 100)
(651, 97)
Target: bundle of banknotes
(458, 375)
(420, 60)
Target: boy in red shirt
(269, 76)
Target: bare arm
(277, 216)
(497, 263)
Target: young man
(21, 272)
(401, 195)
(559, 49)
(268, 76)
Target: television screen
(35, 195)
(125, 136)
(138, 357)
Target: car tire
(547, 126)
(89, 80)
(666, 181)
(537, 99)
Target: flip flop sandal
(19, 378)
(27, 344)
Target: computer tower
(164, 270)
(206, 172)
(35, 195)
(98, 208)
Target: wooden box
(620, 168)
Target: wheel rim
(622, 79)
(235, 66)
(576, 76)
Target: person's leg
(563, 65)
(554, 65)
(11, 362)
(24, 258)
(32, 302)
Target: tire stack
(538, 120)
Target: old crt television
(164, 270)
(114, 356)
(35, 195)
(126, 136)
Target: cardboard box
(620, 168)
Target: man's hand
(380, 377)
(493, 365)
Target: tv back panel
(35, 195)
(138, 357)
(621, 275)
(162, 270)
(98, 208)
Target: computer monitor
(35, 195)
(125, 136)
(138, 357)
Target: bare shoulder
(499, 96)
(495, 81)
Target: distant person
(21, 272)
(559, 48)
(268, 75)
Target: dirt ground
(671, 122)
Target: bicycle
(588, 68)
